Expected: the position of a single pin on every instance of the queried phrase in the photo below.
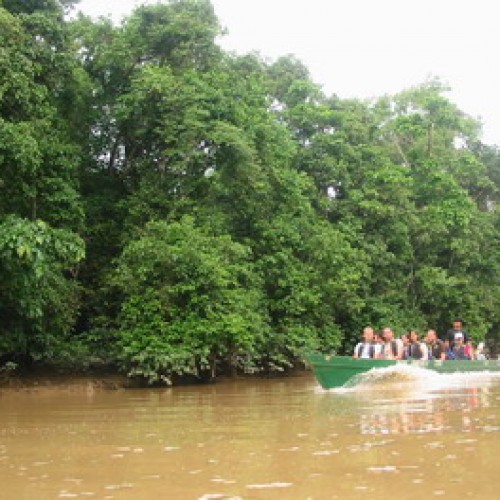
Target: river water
(403, 432)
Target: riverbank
(95, 381)
(49, 380)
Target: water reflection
(448, 411)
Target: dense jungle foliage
(171, 209)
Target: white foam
(417, 379)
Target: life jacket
(361, 349)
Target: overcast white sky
(366, 48)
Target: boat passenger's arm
(355, 353)
(425, 351)
(472, 353)
(400, 349)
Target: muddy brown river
(402, 433)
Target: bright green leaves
(20, 95)
(422, 123)
(166, 115)
(37, 158)
(36, 245)
(36, 297)
(180, 34)
(20, 157)
(191, 299)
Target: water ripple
(268, 486)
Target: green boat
(335, 371)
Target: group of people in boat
(384, 345)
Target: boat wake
(417, 379)
(405, 399)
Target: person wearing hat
(456, 333)
(458, 343)
(459, 349)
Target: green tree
(38, 293)
(40, 207)
(191, 300)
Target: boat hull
(336, 371)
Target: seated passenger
(458, 350)
(480, 353)
(391, 348)
(454, 333)
(405, 341)
(435, 346)
(469, 349)
(417, 349)
(366, 349)
(379, 345)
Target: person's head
(387, 334)
(377, 337)
(368, 334)
(459, 339)
(405, 339)
(431, 336)
(414, 336)
(457, 324)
